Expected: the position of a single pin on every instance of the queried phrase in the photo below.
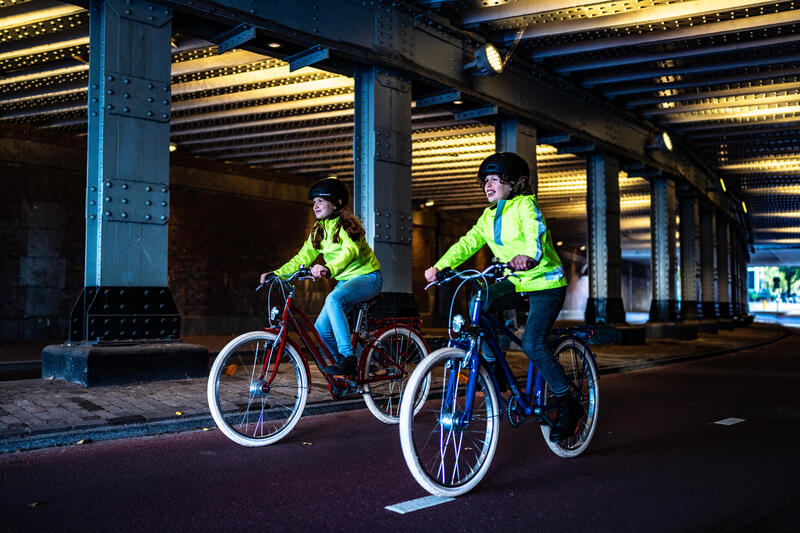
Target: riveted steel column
(690, 255)
(128, 144)
(125, 295)
(663, 307)
(510, 135)
(708, 261)
(382, 188)
(723, 267)
(604, 305)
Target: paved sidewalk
(35, 413)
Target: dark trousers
(543, 309)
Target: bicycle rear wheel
(255, 397)
(446, 456)
(581, 371)
(396, 351)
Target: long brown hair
(347, 221)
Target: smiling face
(495, 189)
(322, 208)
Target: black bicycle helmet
(332, 190)
(508, 165)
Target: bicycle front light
(457, 323)
(273, 313)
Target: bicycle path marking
(729, 421)
(415, 505)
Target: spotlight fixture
(661, 142)
(722, 182)
(429, 203)
(487, 61)
(274, 44)
(173, 147)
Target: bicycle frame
(532, 400)
(294, 318)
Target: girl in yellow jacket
(339, 237)
(514, 228)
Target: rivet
(165, 102)
(92, 202)
(94, 113)
(108, 184)
(94, 100)
(109, 106)
(107, 213)
(149, 113)
(151, 18)
(148, 202)
(164, 115)
(95, 86)
(149, 85)
(164, 204)
(124, 200)
(147, 217)
(93, 188)
(111, 78)
(92, 217)
(125, 109)
(108, 198)
(163, 217)
(150, 99)
(126, 95)
(126, 81)
(124, 214)
(127, 11)
(148, 188)
(163, 189)
(124, 185)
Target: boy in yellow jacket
(516, 232)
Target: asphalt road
(658, 462)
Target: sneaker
(346, 367)
(567, 416)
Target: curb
(201, 421)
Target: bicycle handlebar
(301, 274)
(449, 274)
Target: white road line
(416, 505)
(729, 421)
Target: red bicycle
(259, 383)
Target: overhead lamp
(429, 203)
(722, 182)
(487, 61)
(273, 44)
(173, 147)
(744, 207)
(661, 142)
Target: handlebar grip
(442, 274)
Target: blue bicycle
(449, 444)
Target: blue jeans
(544, 307)
(332, 322)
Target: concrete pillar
(604, 252)
(125, 295)
(663, 306)
(513, 136)
(690, 255)
(723, 267)
(708, 262)
(382, 188)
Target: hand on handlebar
(320, 271)
(521, 262)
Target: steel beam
(643, 74)
(382, 181)
(696, 31)
(604, 252)
(708, 261)
(690, 255)
(513, 136)
(633, 18)
(608, 62)
(127, 200)
(663, 307)
(723, 268)
(403, 38)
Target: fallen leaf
(84, 441)
(207, 429)
(306, 444)
(35, 504)
(179, 413)
(230, 369)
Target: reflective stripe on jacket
(345, 259)
(519, 230)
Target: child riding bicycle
(339, 237)
(515, 231)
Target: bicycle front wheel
(256, 396)
(447, 452)
(396, 351)
(581, 371)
